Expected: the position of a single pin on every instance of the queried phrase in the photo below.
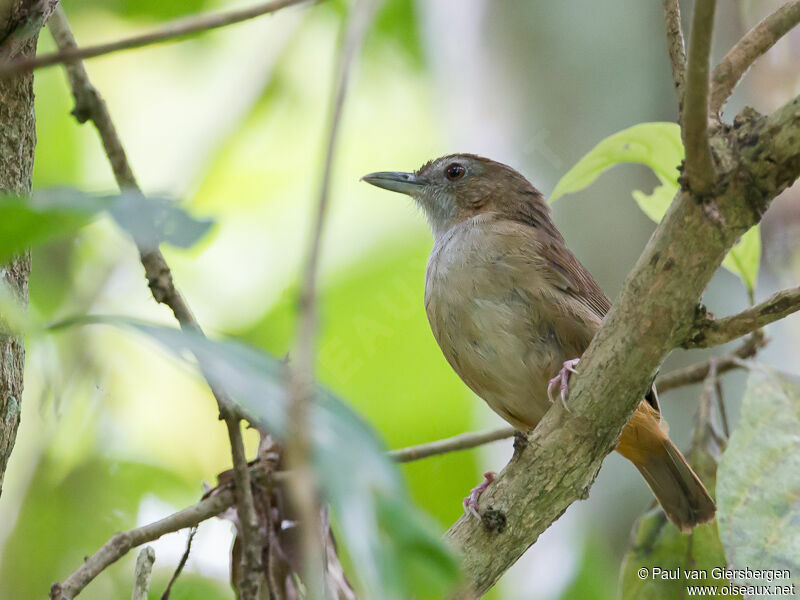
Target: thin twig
(91, 106)
(465, 441)
(121, 543)
(675, 47)
(746, 51)
(180, 28)
(141, 577)
(181, 564)
(713, 332)
(301, 372)
(699, 168)
(698, 372)
(723, 413)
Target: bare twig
(180, 28)
(121, 543)
(698, 372)
(91, 106)
(756, 42)
(141, 577)
(699, 168)
(181, 564)
(301, 372)
(464, 441)
(713, 332)
(675, 46)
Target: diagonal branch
(91, 106)
(675, 47)
(713, 332)
(694, 125)
(301, 373)
(123, 542)
(686, 249)
(756, 42)
(180, 28)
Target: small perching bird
(512, 310)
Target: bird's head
(457, 187)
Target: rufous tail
(679, 491)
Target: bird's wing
(566, 273)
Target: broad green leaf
(758, 490)
(362, 485)
(659, 146)
(60, 212)
(662, 561)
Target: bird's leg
(471, 502)
(562, 380)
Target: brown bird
(512, 309)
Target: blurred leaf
(152, 9)
(152, 220)
(373, 319)
(62, 519)
(659, 146)
(668, 554)
(356, 477)
(757, 484)
(595, 576)
(59, 212)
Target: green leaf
(362, 485)
(662, 561)
(59, 212)
(659, 146)
(757, 484)
(744, 257)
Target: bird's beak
(405, 183)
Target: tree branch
(694, 125)
(713, 332)
(464, 441)
(698, 372)
(180, 28)
(756, 42)
(675, 47)
(121, 543)
(301, 371)
(141, 576)
(651, 316)
(91, 106)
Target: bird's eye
(454, 171)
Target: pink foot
(562, 380)
(471, 502)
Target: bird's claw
(562, 381)
(470, 503)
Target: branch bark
(177, 29)
(91, 106)
(694, 124)
(123, 542)
(698, 372)
(653, 314)
(756, 42)
(17, 142)
(141, 576)
(713, 332)
(675, 47)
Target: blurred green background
(114, 434)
